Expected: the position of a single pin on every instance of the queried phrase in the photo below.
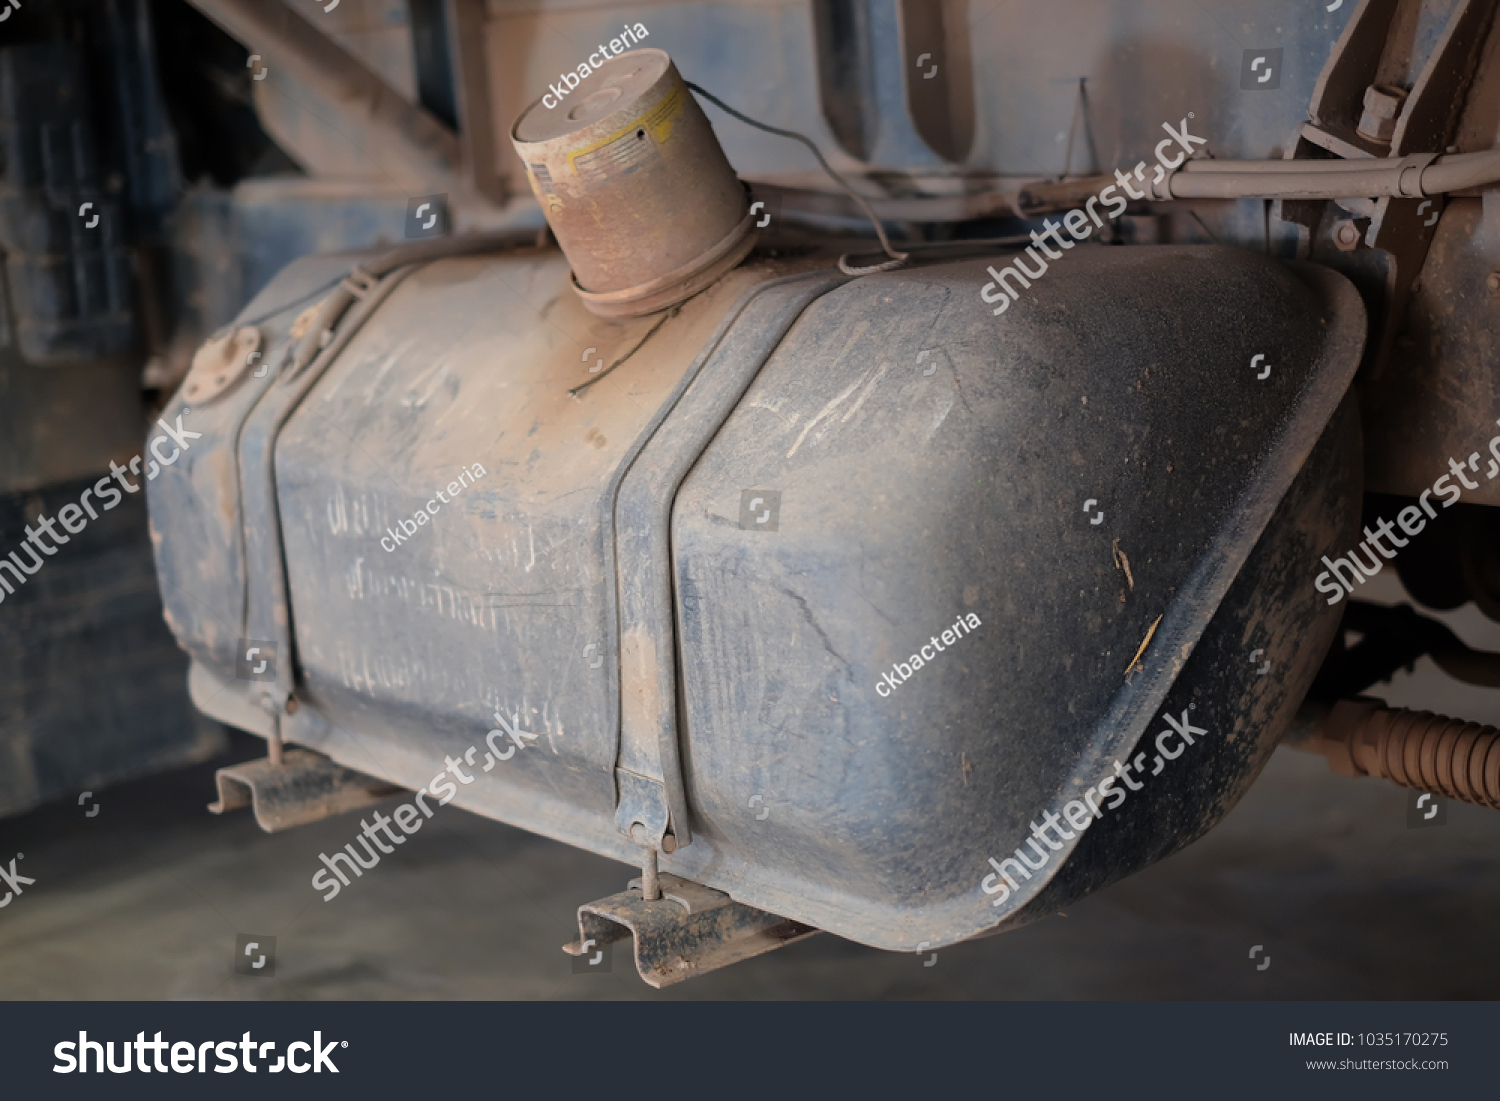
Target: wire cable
(896, 258)
(328, 286)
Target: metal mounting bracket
(690, 930)
(305, 787)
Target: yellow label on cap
(625, 148)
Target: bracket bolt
(650, 878)
(1382, 106)
(1347, 236)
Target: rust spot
(304, 319)
(1121, 562)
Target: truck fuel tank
(842, 596)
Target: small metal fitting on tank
(635, 186)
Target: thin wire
(673, 312)
(970, 242)
(896, 258)
(282, 309)
(1072, 128)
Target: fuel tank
(856, 602)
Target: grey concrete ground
(144, 901)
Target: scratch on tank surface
(223, 471)
(772, 404)
(391, 359)
(360, 508)
(869, 388)
(548, 724)
(827, 411)
(945, 406)
(443, 371)
(434, 372)
(338, 513)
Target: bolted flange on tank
(635, 186)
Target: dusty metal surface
(1436, 400)
(903, 493)
(221, 362)
(305, 787)
(1259, 658)
(689, 931)
(642, 613)
(490, 599)
(1427, 389)
(504, 602)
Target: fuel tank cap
(634, 184)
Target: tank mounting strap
(641, 608)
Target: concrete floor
(145, 900)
